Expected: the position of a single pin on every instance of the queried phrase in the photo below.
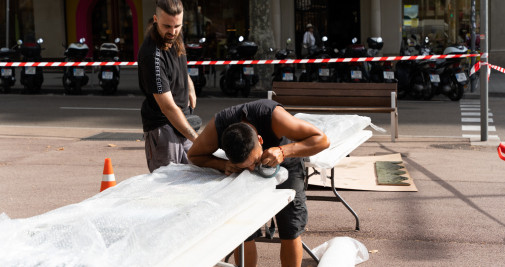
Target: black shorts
(292, 219)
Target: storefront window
(220, 22)
(445, 22)
(21, 25)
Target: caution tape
(239, 62)
(477, 66)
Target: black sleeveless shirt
(258, 113)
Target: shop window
(111, 20)
(445, 22)
(220, 22)
(21, 24)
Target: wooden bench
(311, 97)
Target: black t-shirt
(161, 71)
(258, 113)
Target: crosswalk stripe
(476, 119)
(477, 128)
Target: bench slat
(332, 92)
(334, 101)
(352, 86)
(338, 109)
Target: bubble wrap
(139, 222)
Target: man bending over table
(257, 133)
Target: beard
(169, 38)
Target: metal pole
(7, 23)
(484, 41)
(473, 26)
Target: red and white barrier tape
(477, 65)
(238, 62)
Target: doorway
(113, 19)
(340, 21)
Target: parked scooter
(74, 78)
(413, 76)
(235, 78)
(321, 72)
(8, 75)
(31, 77)
(284, 72)
(380, 72)
(354, 72)
(108, 76)
(196, 72)
(447, 76)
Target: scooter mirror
(354, 40)
(202, 40)
(82, 40)
(117, 40)
(325, 38)
(241, 38)
(40, 41)
(20, 42)
(335, 50)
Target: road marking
(489, 114)
(470, 118)
(477, 119)
(476, 128)
(92, 108)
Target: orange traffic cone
(108, 179)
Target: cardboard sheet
(358, 173)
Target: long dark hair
(172, 8)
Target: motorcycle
(8, 75)
(355, 72)
(196, 72)
(108, 76)
(235, 78)
(321, 72)
(380, 72)
(447, 76)
(284, 72)
(414, 76)
(74, 78)
(31, 77)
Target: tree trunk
(262, 34)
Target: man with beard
(168, 89)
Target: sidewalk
(455, 219)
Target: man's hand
(230, 168)
(272, 156)
(192, 93)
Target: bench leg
(394, 126)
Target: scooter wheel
(457, 92)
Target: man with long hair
(168, 89)
(257, 133)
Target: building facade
(60, 22)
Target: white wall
(49, 20)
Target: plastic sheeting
(341, 252)
(341, 130)
(144, 220)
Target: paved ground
(455, 219)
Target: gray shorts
(164, 146)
